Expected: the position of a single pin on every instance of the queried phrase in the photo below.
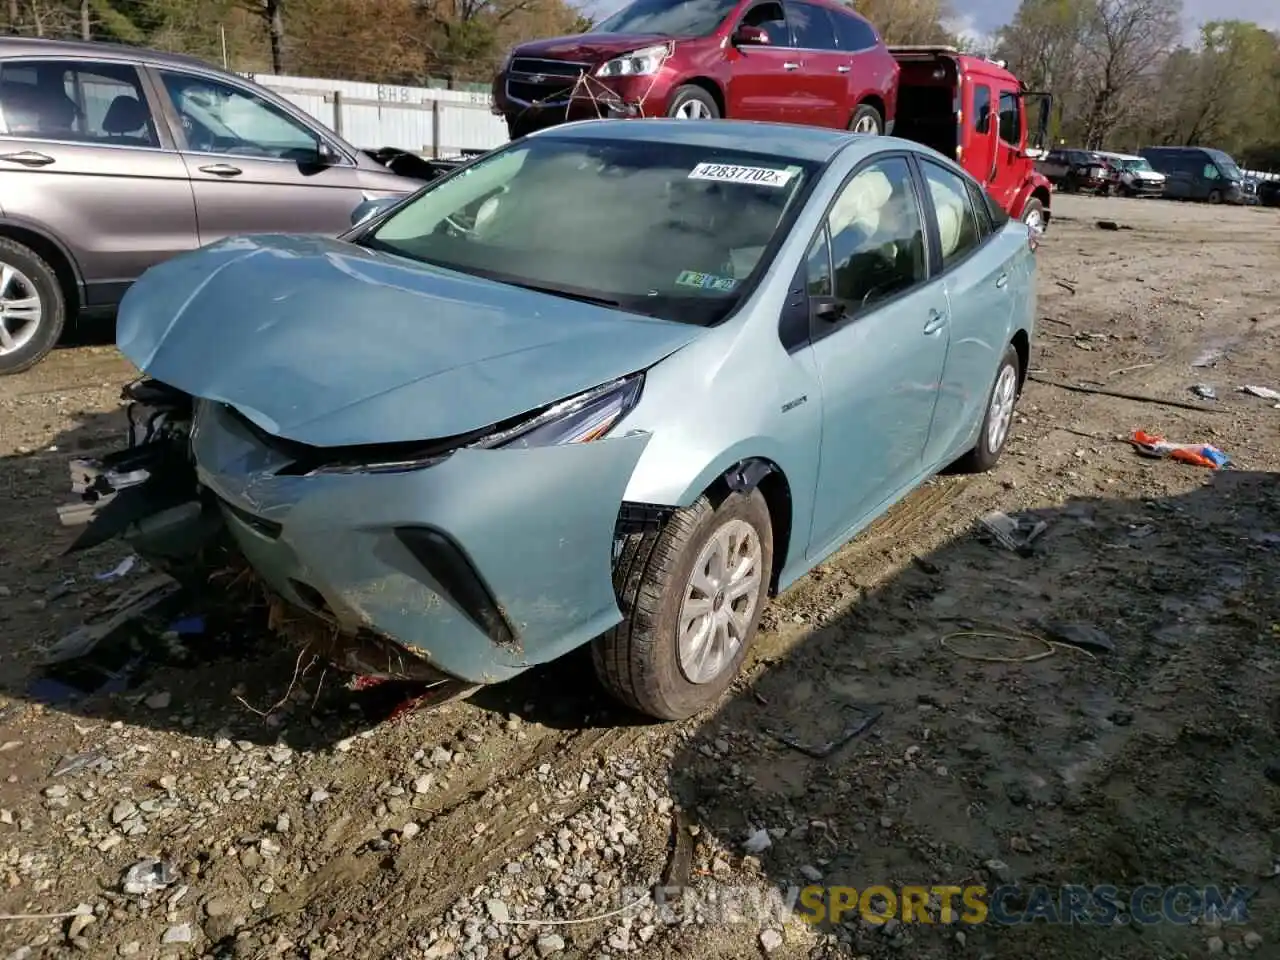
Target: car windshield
(664, 229)
(672, 18)
(1134, 164)
(1226, 165)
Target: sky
(979, 18)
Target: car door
(879, 342)
(820, 86)
(974, 271)
(1007, 170)
(760, 84)
(83, 159)
(254, 167)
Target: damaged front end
(149, 496)
(468, 558)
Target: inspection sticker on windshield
(705, 281)
(732, 173)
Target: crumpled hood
(329, 344)
(592, 48)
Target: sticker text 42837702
(733, 173)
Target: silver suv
(115, 158)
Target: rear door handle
(844, 69)
(28, 158)
(222, 170)
(937, 320)
(1002, 281)
(791, 65)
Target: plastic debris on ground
(121, 569)
(1266, 393)
(1204, 391)
(1014, 533)
(148, 876)
(1197, 454)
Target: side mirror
(369, 209)
(828, 309)
(749, 36)
(326, 154)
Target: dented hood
(329, 344)
(589, 48)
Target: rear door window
(953, 207)
(1010, 118)
(76, 101)
(811, 27)
(982, 109)
(853, 33)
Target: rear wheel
(691, 597)
(999, 416)
(691, 102)
(32, 308)
(867, 119)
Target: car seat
(127, 119)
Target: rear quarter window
(854, 33)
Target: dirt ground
(501, 825)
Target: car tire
(867, 120)
(691, 102)
(1033, 215)
(986, 453)
(31, 278)
(1215, 196)
(639, 661)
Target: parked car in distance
(114, 158)
(1269, 191)
(1135, 176)
(1076, 171)
(1197, 173)
(812, 62)
(686, 385)
(996, 133)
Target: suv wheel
(691, 102)
(867, 119)
(32, 308)
(691, 597)
(1215, 196)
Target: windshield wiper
(567, 294)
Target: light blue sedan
(615, 383)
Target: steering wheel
(198, 135)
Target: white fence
(436, 123)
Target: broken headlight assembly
(638, 63)
(588, 416)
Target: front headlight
(581, 419)
(640, 63)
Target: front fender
(1036, 182)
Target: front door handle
(791, 65)
(28, 158)
(222, 170)
(844, 69)
(1002, 281)
(937, 320)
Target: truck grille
(530, 80)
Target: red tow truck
(975, 110)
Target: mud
(299, 822)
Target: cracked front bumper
(483, 564)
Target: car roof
(41, 47)
(784, 140)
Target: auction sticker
(732, 173)
(706, 281)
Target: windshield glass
(1134, 164)
(668, 230)
(1226, 165)
(672, 18)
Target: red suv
(792, 61)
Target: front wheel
(999, 416)
(1034, 217)
(691, 102)
(1215, 196)
(691, 597)
(867, 119)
